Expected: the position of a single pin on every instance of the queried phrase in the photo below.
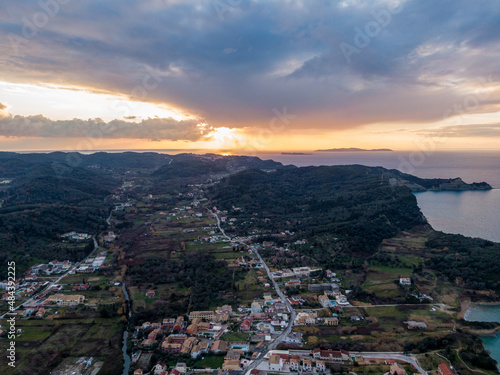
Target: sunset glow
(263, 87)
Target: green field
(236, 337)
(210, 361)
(383, 280)
(45, 343)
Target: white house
(404, 281)
(275, 363)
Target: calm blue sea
(471, 213)
(471, 166)
(487, 313)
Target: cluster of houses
(294, 272)
(245, 262)
(332, 276)
(25, 288)
(397, 369)
(311, 318)
(54, 267)
(331, 297)
(202, 333)
(203, 330)
(184, 212)
(285, 361)
(37, 312)
(340, 300)
(92, 264)
(304, 360)
(73, 236)
(29, 286)
(255, 234)
(38, 308)
(199, 335)
(268, 310)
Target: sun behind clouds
(223, 137)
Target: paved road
(108, 220)
(292, 314)
(399, 304)
(394, 356)
(288, 329)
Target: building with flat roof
(66, 299)
(209, 315)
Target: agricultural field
(236, 337)
(383, 327)
(383, 281)
(54, 340)
(249, 287)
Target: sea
(471, 213)
(487, 313)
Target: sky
(249, 75)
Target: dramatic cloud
(155, 129)
(333, 64)
(473, 130)
(3, 110)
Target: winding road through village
(291, 310)
(54, 282)
(366, 355)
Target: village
(267, 332)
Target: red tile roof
(445, 370)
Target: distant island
(295, 153)
(353, 149)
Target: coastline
(465, 305)
(484, 332)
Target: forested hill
(40, 201)
(43, 195)
(358, 206)
(344, 213)
(444, 184)
(206, 165)
(41, 183)
(161, 165)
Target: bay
(471, 213)
(487, 313)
